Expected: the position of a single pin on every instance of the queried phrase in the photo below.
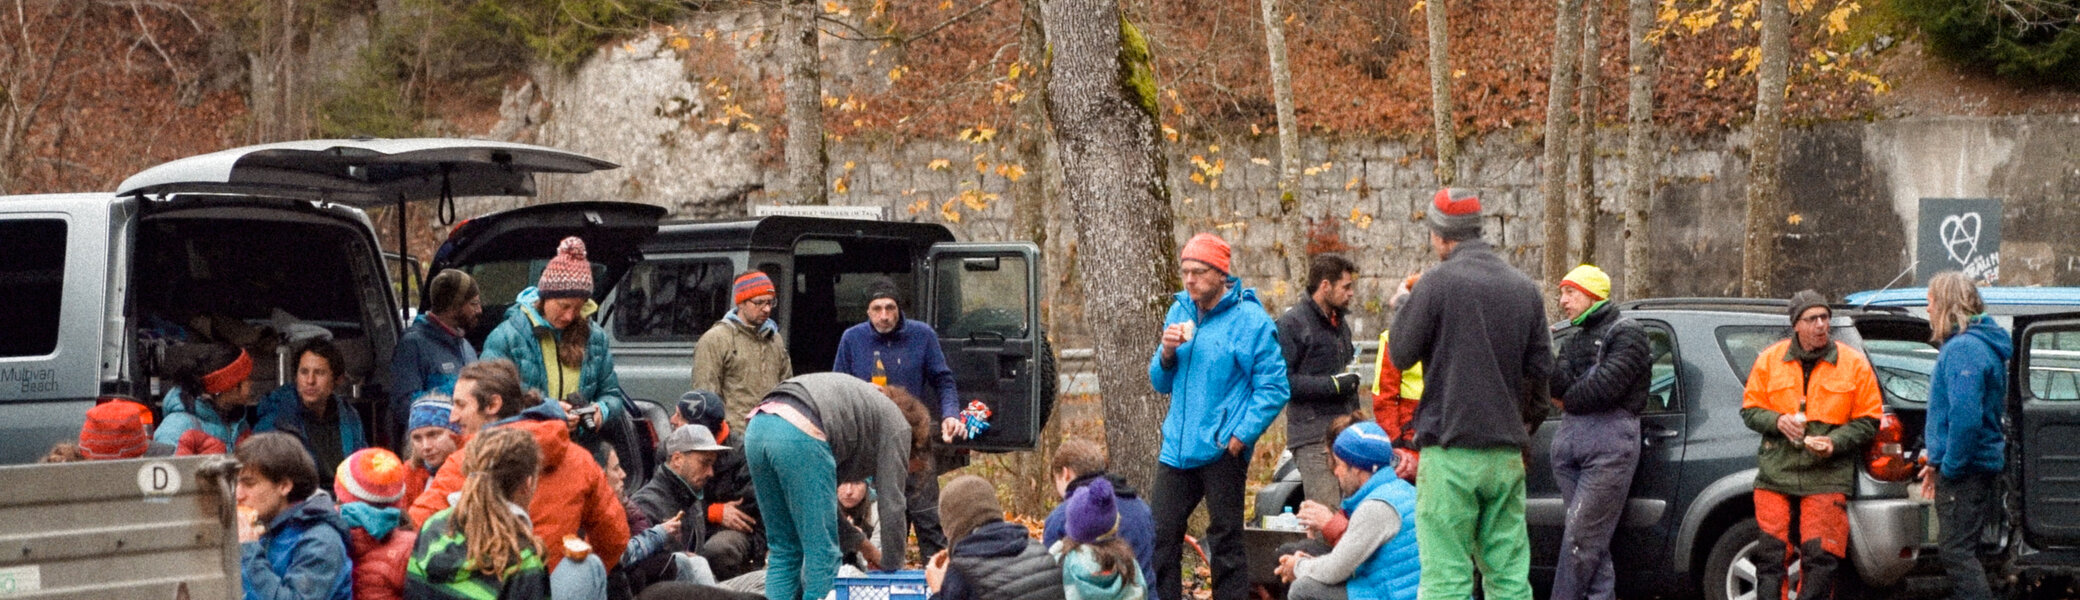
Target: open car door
(2044, 393)
(984, 300)
(506, 251)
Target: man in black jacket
(1601, 383)
(1316, 339)
(735, 543)
(675, 492)
(1478, 327)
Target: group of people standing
(1466, 376)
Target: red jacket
(416, 477)
(379, 565)
(573, 494)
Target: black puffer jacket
(1316, 352)
(666, 495)
(1001, 561)
(1605, 366)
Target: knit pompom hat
(568, 274)
(1091, 516)
(114, 430)
(1455, 214)
(372, 475)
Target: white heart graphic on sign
(1960, 230)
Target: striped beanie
(431, 410)
(114, 430)
(752, 285)
(1455, 214)
(568, 274)
(372, 475)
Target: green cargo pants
(1470, 513)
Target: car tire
(1729, 571)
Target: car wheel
(1729, 572)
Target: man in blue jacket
(1966, 449)
(1221, 364)
(893, 350)
(294, 547)
(435, 347)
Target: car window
(1663, 379)
(500, 282)
(983, 295)
(31, 285)
(1903, 368)
(2054, 365)
(1742, 343)
(665, 300)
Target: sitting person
(674, 492)
(1377, 555)
(990, 558)
(1077, 463)
(484, 545)
(293, 546)
(733, 542)
(649, 545)
(432, 438)
(206, 410)
(856, 522)
(1096, 563)
(314, 411)
(368, 484)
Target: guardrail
(1077, 368)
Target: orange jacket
(572, 496)
(1841, 402)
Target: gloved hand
(1346, 383)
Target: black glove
(1346, 383)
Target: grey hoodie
(869, 438)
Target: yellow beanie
(1590, 280)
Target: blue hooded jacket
(427, 360)
(303, 555)
(515, 340)
(1229, 381)
(183, 414)
(1966, 396)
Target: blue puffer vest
(1395, 568)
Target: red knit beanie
(1207, 248)
(373, 475)
(114, 430)
(752, 285)
(568, 275)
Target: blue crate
(898, 585)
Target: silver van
(258, 246)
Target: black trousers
(1175, 494)
(1965, 505)
(921, 497)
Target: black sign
(1959, 234)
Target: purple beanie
(1091, 517)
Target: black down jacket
(1605, 366)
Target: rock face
(1853, 187)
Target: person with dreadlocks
(484, 547)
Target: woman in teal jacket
(549, 336)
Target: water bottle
(1288, 521)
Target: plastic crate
(898, 585)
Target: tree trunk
(1102, 98)
(1290, 216)
(1582, 192)
(803, 85)
(1567, 38)
(1639, 139)
(1765, 157)
(1434, 11)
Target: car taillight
(1887, 459)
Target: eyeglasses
(760, 302)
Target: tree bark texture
(1435, 13)
(1583, 204)
(1291, 219)
(1102, 100)
(1639, 141)
(1766, 152)
(1567, 40)
(807, 162)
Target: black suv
(1689, 526)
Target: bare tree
(1582, 190)
(1102, 97)
(1639, 139)
(1030, 219)
(1567, 37)
(1290, 219)
(807, 163)
(1435, 13)
(36, 44)
(1766, 151)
